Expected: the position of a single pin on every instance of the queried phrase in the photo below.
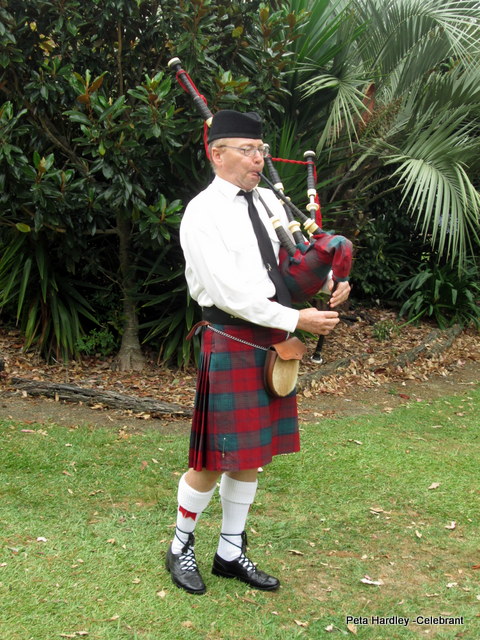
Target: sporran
(281, 366)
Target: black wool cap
(233, 124)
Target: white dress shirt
(223, 262)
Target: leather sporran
(282, 365)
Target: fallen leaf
(329, 628)
(301, 624)
(434, 485)
(368, 580)
(188, 624)
(295, 552)
(451, 526)
(161, 594)
(352, 628)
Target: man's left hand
(340, 294)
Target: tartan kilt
(236, 424)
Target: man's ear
(216, 156)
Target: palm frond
(435, 185)
(459, 87)
(345, 110)
(401, 28)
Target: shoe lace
(246, 563)
(187, 558)
(242, 559)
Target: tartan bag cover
(236, 425)
(306, 272)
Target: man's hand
(340, 294)
(315, 321)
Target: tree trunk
(130, 356)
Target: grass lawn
(377, 517)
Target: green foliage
(175, 312)
(384, 330)
(390, 94)
(101, 148)
(47, 307)
(97, 341)
(441, 293)
(387, 250)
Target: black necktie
(266, 249)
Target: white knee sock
(191, 504)
(236, 499)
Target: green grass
(355, 502)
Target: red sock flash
(187, 514)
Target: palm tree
(392, 89)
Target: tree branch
(119, 58)
(48, 128)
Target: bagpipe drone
(306, 260)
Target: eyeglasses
(249, 152)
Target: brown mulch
(371, 356)
(368, 362)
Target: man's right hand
(319, 322)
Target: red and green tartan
(236, 424)
(307, 271)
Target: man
(237, 427)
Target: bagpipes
(306, 260)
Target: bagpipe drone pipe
(306, 258)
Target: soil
(370, 381)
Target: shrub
(387, 250)
(442, 293)
(98, 341)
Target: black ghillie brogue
(243, 569)
(183, 568)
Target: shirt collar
(227, 189)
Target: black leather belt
(217, 316)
